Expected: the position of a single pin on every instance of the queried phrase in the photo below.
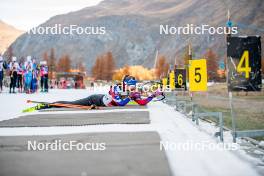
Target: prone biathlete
(95, 100)
(108, 100)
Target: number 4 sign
(244, 63)
(198, 75)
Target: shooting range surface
(78, 119)
(126, 153)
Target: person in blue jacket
(28, 74)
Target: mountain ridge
(8, 34)
(133, 30)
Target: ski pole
(62, 105)
(70, 106)
(30, 101)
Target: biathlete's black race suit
(96, 99)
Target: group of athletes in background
(24, 76)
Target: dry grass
(248, 107)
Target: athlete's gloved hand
(157, 93)
(134, 95)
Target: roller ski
(36, 108)
(84, 104)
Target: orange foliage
(64, 64)
(51, 62)
(138, 71)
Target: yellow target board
(164, 82)
(198, 75)
(172, 80)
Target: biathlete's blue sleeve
(114, 92)
(122, 102)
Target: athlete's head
(129, 83)
(107, 99)
(129, 80)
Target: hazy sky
(25, 14)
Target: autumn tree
(64, 64)
(67, 62)
(104, 67)
(212, 64)
(109, 66)
(97, 68)
(126, 70)
(138, 71)
(120, 73)
(52, 62)
(45, 57)
(162, 67)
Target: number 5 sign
(198, 75)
